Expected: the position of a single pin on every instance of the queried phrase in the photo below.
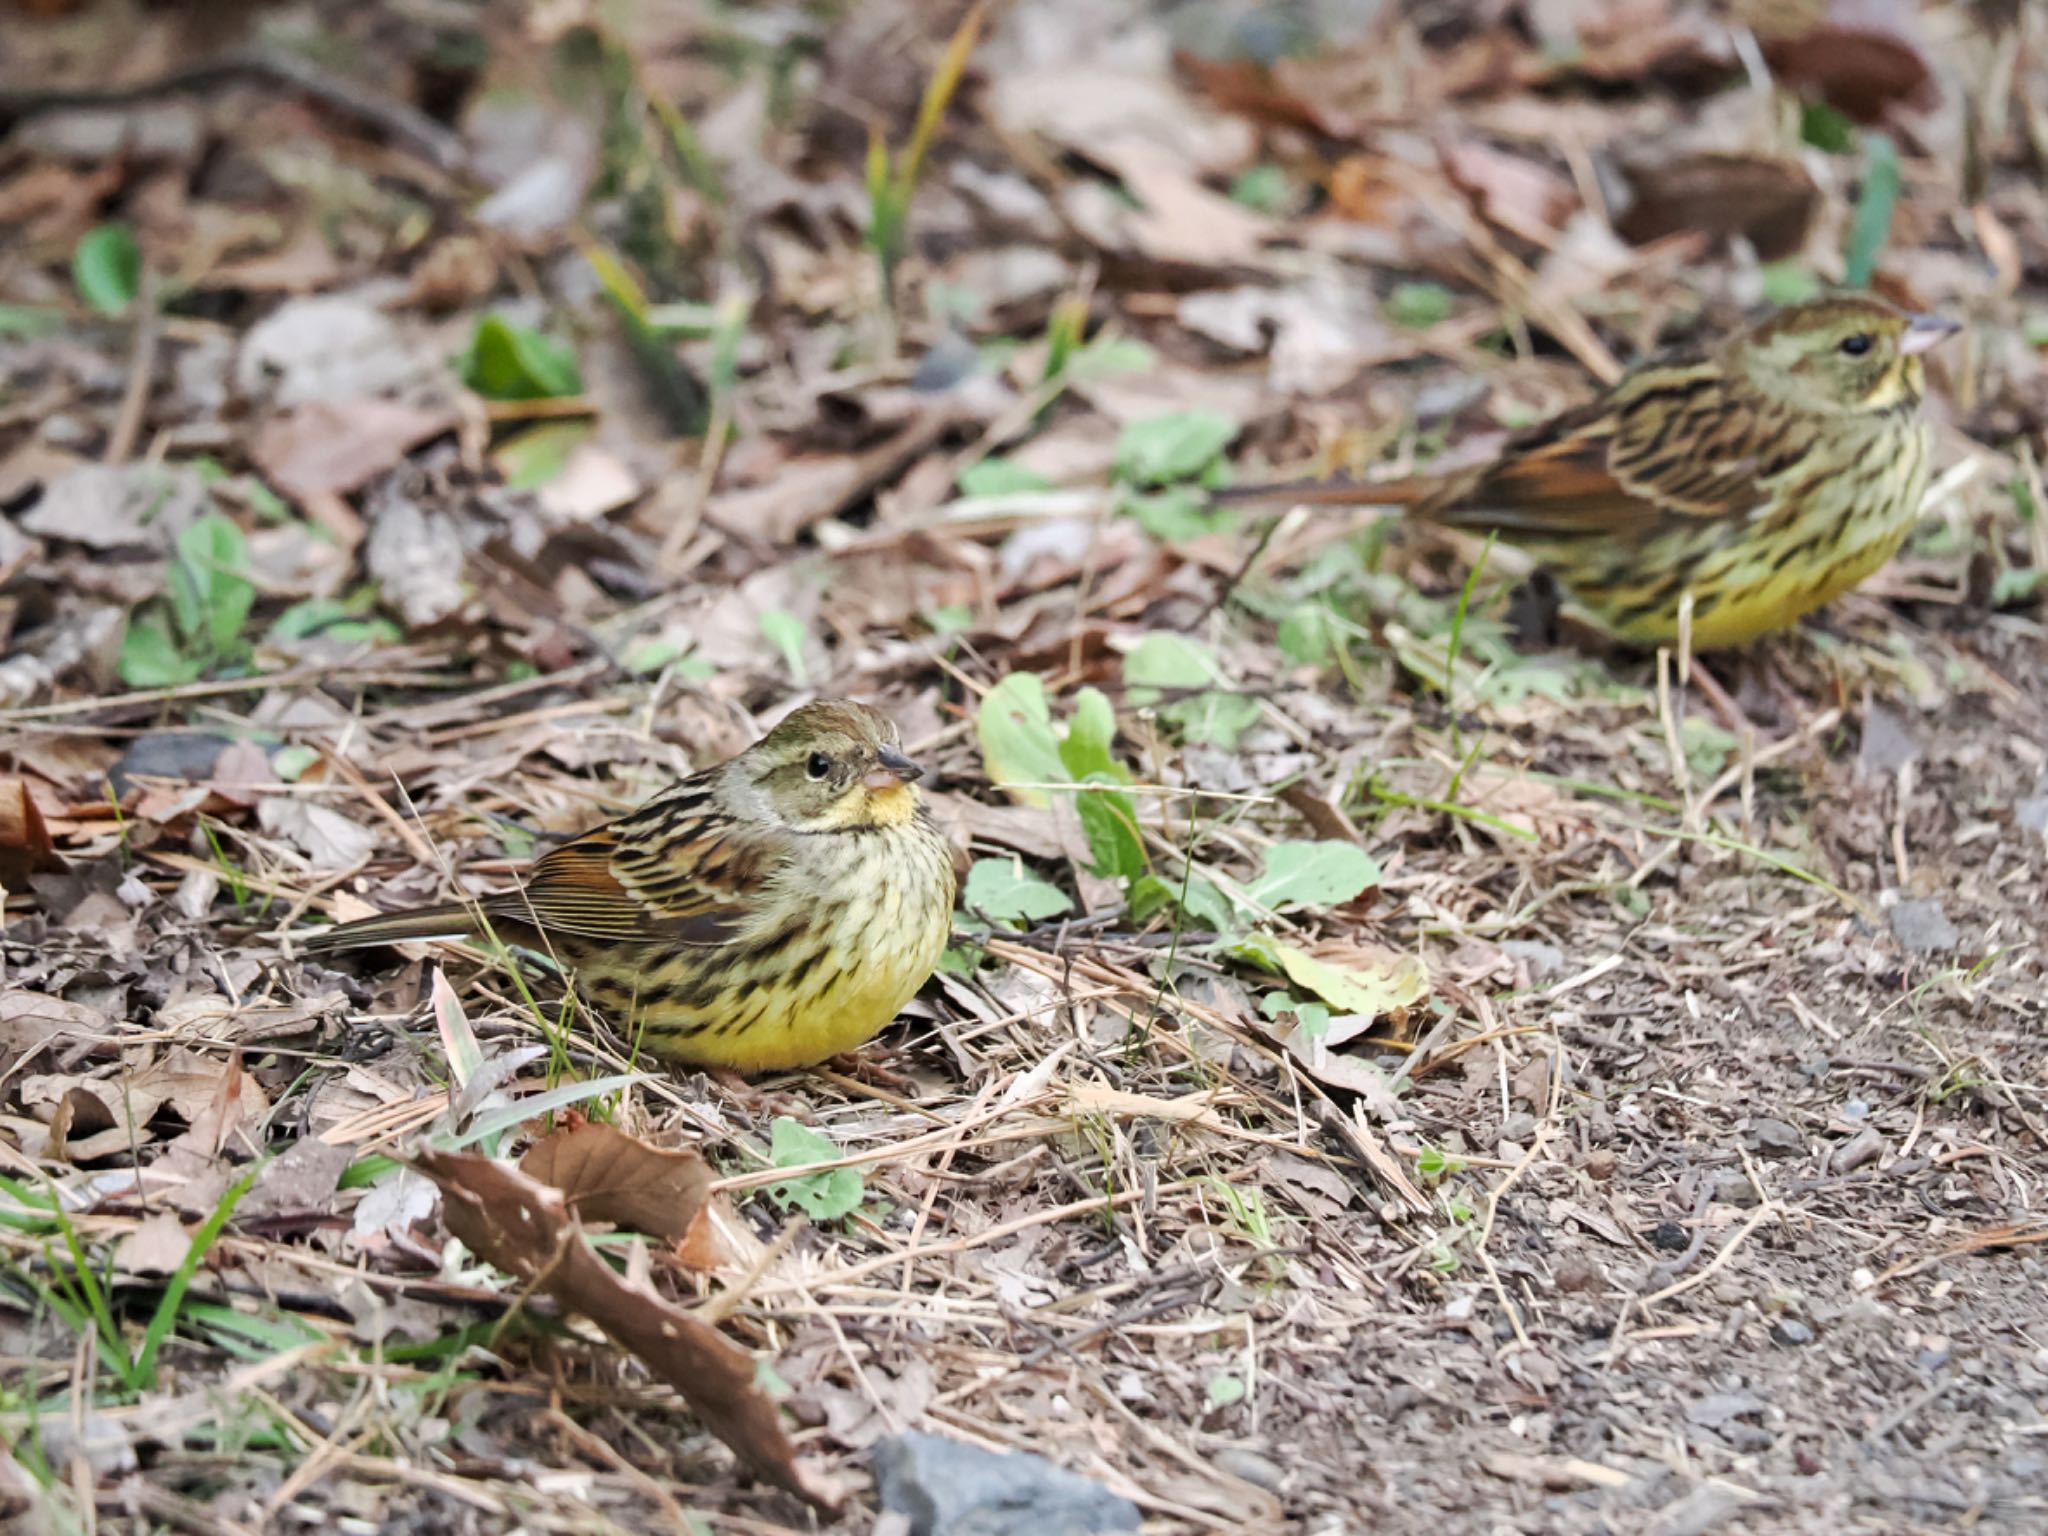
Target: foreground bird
(769, 912)
(1763, 477)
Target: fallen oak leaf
(336, 447)
(525, 1228)
(607, 1175)
(25, 845)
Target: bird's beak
(892, 770)
(1926, 332)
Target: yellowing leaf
(1400, 981)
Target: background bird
(1763, 476)
(770, 912)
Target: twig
(1719, 1261)
(264, 66)
(149, 333)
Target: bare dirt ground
(1464, 1083)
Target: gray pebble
(1922, 928)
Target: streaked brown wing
(672, 872)
(1666, 444)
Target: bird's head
(1850, 355)
(830, 766)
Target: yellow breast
(1748, 576)
(845, 940)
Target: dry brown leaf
(1860, 55)
(336, 447)
(25, 846)
(1516, 193)
(31, 1020)
(609, 1176)
(1769, 202)
(525, 1228)
(157, 1246)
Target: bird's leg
(866, 1070)
(1536, 612)
(760, 1103)
(1722, 701)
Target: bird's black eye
(818, 766)
(1857, 345)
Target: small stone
(1542, 959)
(948, 1488)
(1731, 1188)
(1887, 745)
(1922, 928)
(1259, 1471)
(1789, 1330)
(1719, 1408)
(1579, 1275)
(1671, 1236)
(1600, 1164)
(1774, 1138)
(2032, 813)
(1865, 1146)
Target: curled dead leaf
(25, 846)
(525, 1227)
(1769, 202)
(607, 1175)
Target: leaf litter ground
(1394, 1071)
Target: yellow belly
(864, 928)
(1749, 576)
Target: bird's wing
(676, 871)
(1667, 444)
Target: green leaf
(509, 362)
(1162, 662)
(1204, 905)
(1264, 187)
(1000, 477)
(150, 657)
(786, 632)
(1824, 128)
(1107, 356)
(30, 321)
(1309, 634)
(538, 455)
(1179, 513)
(650, 653)
(1313, 875)
(1789, 282)
(1014, 726)
(1088, 747)
(289, 762)
(107, 267)
(1167, 661)
(210, 595)
(822, 1196)
(338, 618)
(1177, 446)
(2018, 584)
(1225, 1390)
(1367, 993)
(1313, 1019)
(1874, 205)
(949, 619)
(1004, 891)
(1418, 305)
(1109, 820)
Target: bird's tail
(451, 920)
(1338, 491)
